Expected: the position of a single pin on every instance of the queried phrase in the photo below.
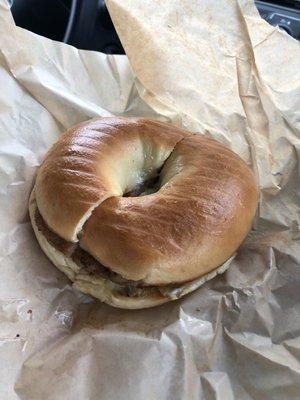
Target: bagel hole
(146, 185)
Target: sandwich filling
(123, 286)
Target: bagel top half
(93, 192)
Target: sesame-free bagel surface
(96, 160)
(202, 210)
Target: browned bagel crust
(201, 213)
(83, 168)
(193, 224)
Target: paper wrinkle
(246, 18)
(237, 337)
(215, 384)
(48, 69)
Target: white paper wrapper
(212, 67)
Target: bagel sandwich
(137, 212)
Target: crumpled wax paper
(213, 67)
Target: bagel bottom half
(107, 290)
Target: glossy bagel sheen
(202, 210)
